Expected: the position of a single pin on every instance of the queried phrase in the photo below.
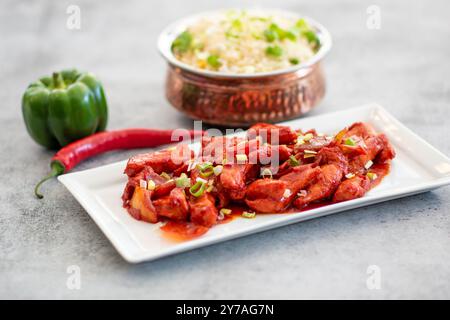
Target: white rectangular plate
(417, 168)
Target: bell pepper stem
(58, 81)
(57, 168)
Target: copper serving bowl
(243, 99)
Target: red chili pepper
(72, 154)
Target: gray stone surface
(404, 66)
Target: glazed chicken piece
(215, 149)
(133, 182)
(234, 178)
(360, 129)
(166, 160)
(333, 166)
(203, 210)
(301, 176)
(388, 152)
(266, 154)
(141, 206)
(273, 134)
(314, 144)
(174, 206)
(353, 188)
(268, 195)
(373, 145)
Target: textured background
(404, 66)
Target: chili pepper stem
(58, 81)
(57, 169)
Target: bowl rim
(166, 37)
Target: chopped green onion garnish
(306, 31)
(198, 188)
(274, 51)
(287, 193)
(151, 185)
(206, 169)
(165, 175)
(300, 140)
(293, 162)
(270, 35)
(309, 155)
(241, 158)
(312, 38)
(225, 211)
(182, 43)
(276, 33)
(302, 24)
(372, 176)
(143, 184)
(236, 24)
(368, 164)
(218, 170)
(214, 61)
(302, 193)
(248, 215)
(294, 61)
(183, 181)
(266, 172)
(201, 180)
(349, 142)
(307, 137)
(210, 188)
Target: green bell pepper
(63, 108)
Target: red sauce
(381, 170)
(236, 212)
(183, 231)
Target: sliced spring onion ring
(308, 136)
(266, 172)
(218, 170)
(302, 193)
(210, 187)
(241, 158)
(248, 215)
(368, 164)
(300, 140)
(225, 211)
(165, 175)
(309, 155)
(183, 181)
(372, 175)
(310, 152)
(349, 175)
(349, 142)
(151, 185)
(293, 162)
(143, 184)
(287, 193)
(206, 169)
(198, 189)
(201, 180)
(204, 165)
